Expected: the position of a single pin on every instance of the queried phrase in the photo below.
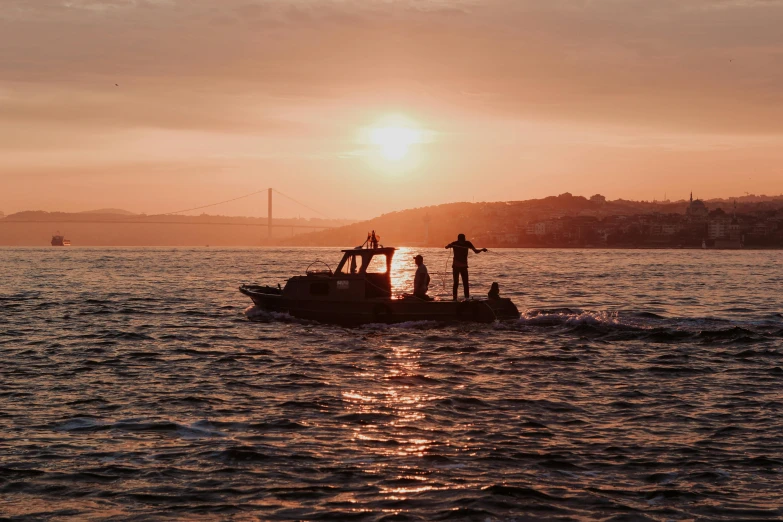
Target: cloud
(109, 106)
(698, 65)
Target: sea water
(637, 385)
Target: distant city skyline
(215, 210)
(564, 220)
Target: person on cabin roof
(459, 266)
(421, 281)
(374, 240)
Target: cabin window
(377, 265)
(319, 288)
(346, 268)
(352, 266)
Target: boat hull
(382, 310)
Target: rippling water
(136, 383)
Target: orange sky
(512, 99)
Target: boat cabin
(363, 273)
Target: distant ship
(58, 240)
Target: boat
(59, 240)
(359, 292)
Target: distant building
(664, 229)
(760, 229)
(598, 198)
(734, 226)
(724, 230)
(543, 228)
(536, 229)
(697, 210)
(718, 228)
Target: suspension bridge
(159, 219)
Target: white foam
(583, 317)
(410, 325)
(252, 312)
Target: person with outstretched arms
(459, 266)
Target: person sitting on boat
(494, 291)
(421, 281)
(459, 266)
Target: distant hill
(490, 223)
(438, 225)
(116, 211)
(105, 228)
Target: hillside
(107, 228)
(113, 211)
(565, 220)
(500, 223)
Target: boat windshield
(377, 265)
(365, 262)
(353, 266)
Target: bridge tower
(269, 218)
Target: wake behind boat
(360, 292)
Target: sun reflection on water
(395, 427)
(402, 271)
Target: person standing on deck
(460, 265)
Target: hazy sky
(359, 107)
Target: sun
(394, 144)
(394, 141)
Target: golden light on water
(398, 397)
(403, 270)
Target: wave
(256, 314)
(241, 454)
(648, 326)
(649, 315)
(406, 325)
(612, 325)
(519, 492)
(200, 429)
(579, 318)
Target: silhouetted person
(494, 291)
(421, 282)
(460, 265)
(374, 240)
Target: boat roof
(382, 250)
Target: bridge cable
(214, 204)
(302, 204)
